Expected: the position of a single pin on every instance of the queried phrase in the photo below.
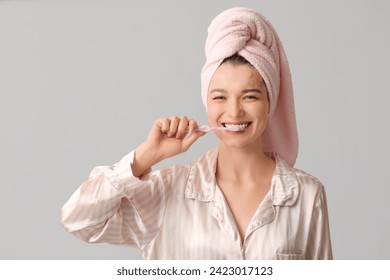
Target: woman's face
(238, 98)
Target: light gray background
(81, 83)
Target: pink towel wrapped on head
(246, 32)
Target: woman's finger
(192, 125)
(164, 125)
(182, 127)
(173, 124)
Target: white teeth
(236, 127)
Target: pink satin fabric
(180, 212)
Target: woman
(242, 199)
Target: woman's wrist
(144, 158)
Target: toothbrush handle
(206, 128)
(203, 128)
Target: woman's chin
(241, 144)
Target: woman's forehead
(236, 74)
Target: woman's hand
(167, 138)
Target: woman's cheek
(213, 114)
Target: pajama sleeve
(319, 242)
(114, 206)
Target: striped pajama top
(179, 212)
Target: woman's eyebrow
(218, 90)
(252, 90)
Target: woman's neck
(243, 164)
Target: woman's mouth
(236, 127)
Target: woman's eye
(218, 98)
(252, 97)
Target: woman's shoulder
(307, 183)
(310, 186)
(205, 164)
(306, 178)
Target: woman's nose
(235, 109)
